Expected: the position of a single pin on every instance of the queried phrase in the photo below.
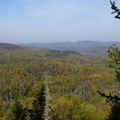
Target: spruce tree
(38, 106)
(18, 111)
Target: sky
(26, 21)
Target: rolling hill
(73, 81)
(82, 47)
(10, 47)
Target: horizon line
(60, 41)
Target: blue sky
(57, 21)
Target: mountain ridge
(9, 46)
(99, 48)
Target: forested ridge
(72, 81)
(59, 80)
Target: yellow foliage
(62, 109)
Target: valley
(73, 81)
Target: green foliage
(90, 112)
(114, 60)
(68, 109)
(62, 109)
(18, 112)
(36, 113)
(115, 112)
(114, 63)
(74, 81)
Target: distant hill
(9, 47)
(83, 47)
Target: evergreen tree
(115, 9)
(114, 63)
(38, 106)
(18, 111)
(114, 60)
(115, 113)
